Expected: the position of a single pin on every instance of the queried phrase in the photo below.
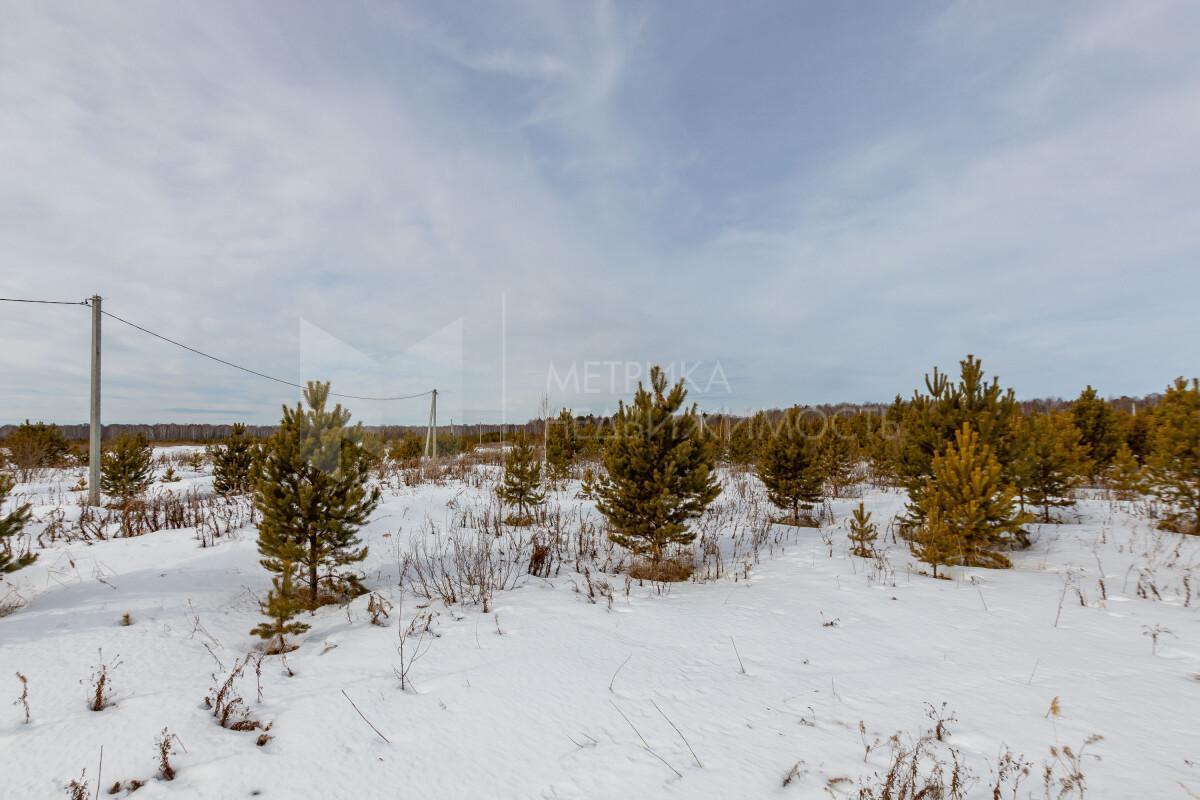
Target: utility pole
(431, 435)
(94, 438)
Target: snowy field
(795, 663)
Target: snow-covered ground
(733, 683)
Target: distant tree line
(166, 432)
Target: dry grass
(165, 747)
(916, 770)
(379, 608)
(667, 570)
(11, 603)
(466, 566)
(23, 700)
(226, 702)
(77, 789)
(805, 519)
(213, 517)
(100, 687)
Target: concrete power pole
(94, 438)
(431, 434)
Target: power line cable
(45, 302)
(206, 355)
(252, 371)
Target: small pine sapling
(406, 450)
(280, 607)
(934, 543)
(33, 446)
(234, 462)
(863, 532)
(791, 470)
(11, 526)
(313, 495)
(1051, 462)
(975, 510)
(1175, 461)
(126, 469)
(521, 486)
(588, 485)
(1099, 429)
(1126, 478)
(562, 447)
(837, 458)
(661, 474)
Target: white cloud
(219, 173)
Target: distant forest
(202, 432)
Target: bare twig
(741, 666)
(681, 736)
(614, 677)
(364, 716)
(220, 665)
(100, 773)
(23, 700)
(581, 745)
(1066, 585)
(198, 626)
(644, 743)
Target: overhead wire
(211, 357)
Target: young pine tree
(935, 543)
(126, 468)
(929, 422)
(11, 526)
(407, 449)
(280, 608)
(588, 485)
(1050, 461)
(35, 445)
(973, 505)
(863, 532)
(1126, 478)
(313, 496)
(234, 462)
(522, 482)
(1175, 460)
(1099, 429)
(660, 471)
(789, 468)
(1138, 427)
(562, 447)
(743, 441)
(837, 456)
(883, 444)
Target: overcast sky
(791, 201)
